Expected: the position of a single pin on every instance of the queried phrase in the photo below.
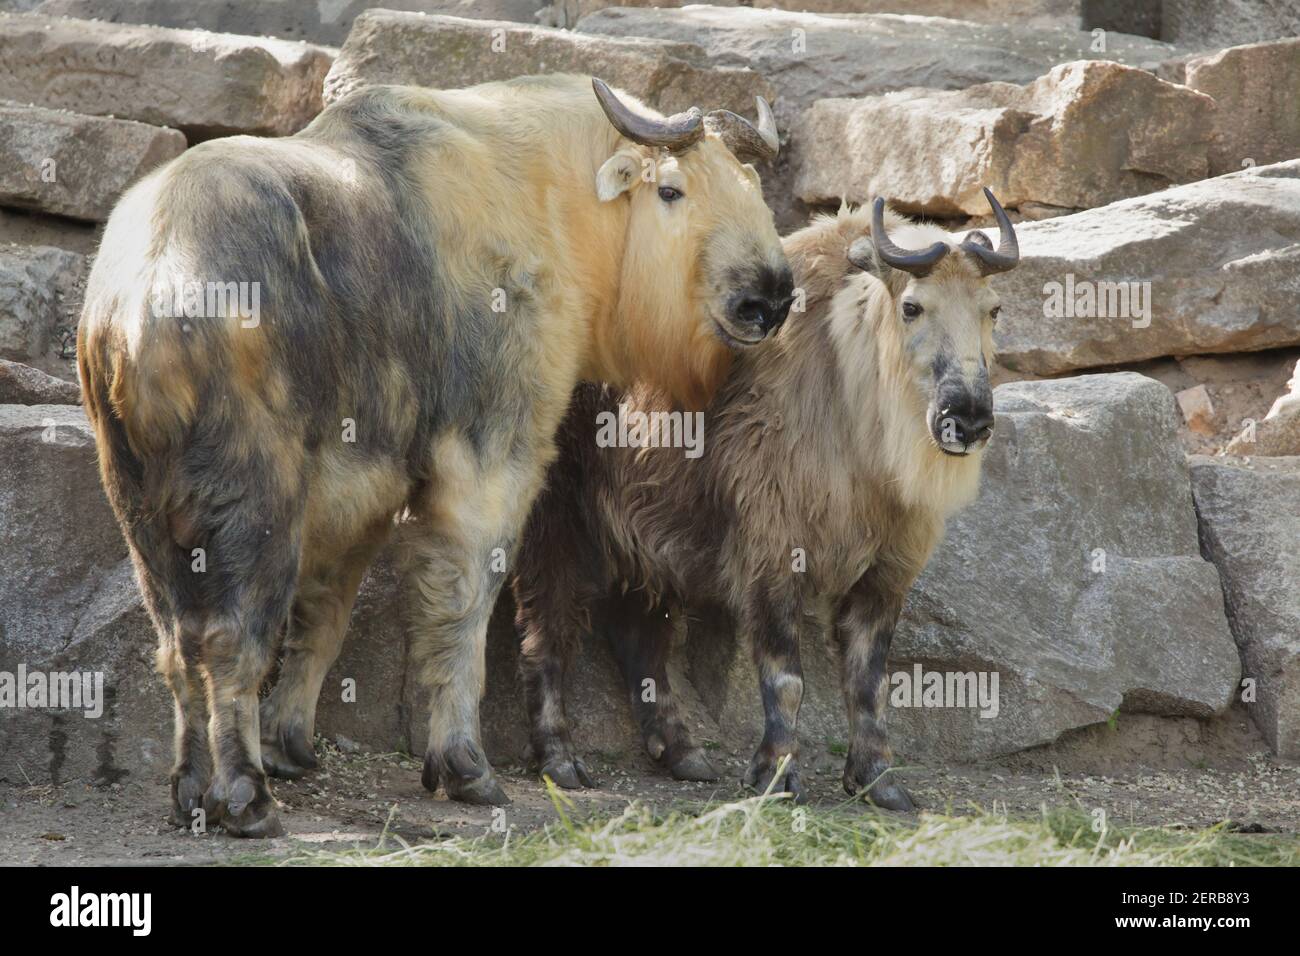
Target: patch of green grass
(768, 830)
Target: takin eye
(911, 309)
(670, 193)
(993, 312)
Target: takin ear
(618, 174)
(862, 255)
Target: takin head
(702, 247)
(944, 310)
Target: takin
(288, 342)
(833, 455)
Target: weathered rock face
(204, 84)
(808, 57)
(23, 385)
(75, 165)
(1085, 134)
(39, 286)
(1086, 517)
(1057, 13)
(1250, 526)
(1220, 257)
(1207, 24)
(68, 603)
(1255, 88)
(325, 21)
(448, 52)
(1278, 432)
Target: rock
(1212, 24)
(1255, 88)
(204, 84)
(325, 21)
(1202, 268)
(566, 13)
(1250, 526)
(1085, 134)
(1197, 409)
(39, 291)
(1278, 433)
(68, 603)
(23, 385)
(1086, 504)
(809, 57)
(29, 228)
(449, 52)
(75, 165)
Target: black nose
(965, 415)
(965, 430)
(766, 314)
(766, 303)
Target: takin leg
(641, 639)
(864, 628)
(774, 623)
(552, 616)
(327, 589)
(192, 772)
(468, 522)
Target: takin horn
(919, 264)
(745, 140)
(1006, 255)
(675, 132)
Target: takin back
(287, 342)
(846, 440)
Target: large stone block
(75, 165)
(450, 52)
(1202, 268)
(1250, 527)
(39, 289)
(1085, 134)
(204, 84)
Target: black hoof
(244, 807)
(878, 784)
(568, 773)
(188, 788)
(763, 774)
(694, 765)
(287, 751)
(466, 775)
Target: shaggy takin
(832, 456)
(288, 342)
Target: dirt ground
(1146, 772)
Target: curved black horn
(918, 264)
(675, 132)
(1007, 254)
(745, 140)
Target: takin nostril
(753, 310)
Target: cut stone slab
(23, 385)
(40, 289)
(325, 21)
(1197, 409)
(1208, 267)
(1250, 524)
(449, 52)
(1085, 134)
(566, 13)
(75, 165)
(1256, 88)
(204, 84)
(68, 603)
(809, 56)
(1213, 24)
